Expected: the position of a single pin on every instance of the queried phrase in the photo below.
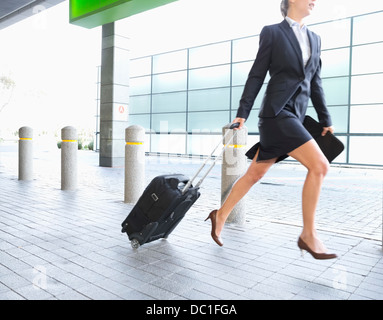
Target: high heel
(213, 217)
(319, 256)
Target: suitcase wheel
(135, 244)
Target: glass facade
(184, 98)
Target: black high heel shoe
(319, 256)
(213, 217)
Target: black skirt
(279, 136)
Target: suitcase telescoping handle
(187, 186)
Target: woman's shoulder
(272, 30)
(276, 27)
(269, 29)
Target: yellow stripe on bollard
(134, 143)
(25, 138)
(237, 146)
(69, 141)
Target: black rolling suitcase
(160, 208)
(163, 205)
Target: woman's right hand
(241, 122)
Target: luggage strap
(187, 186)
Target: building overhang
(14, 11)
(91, 13)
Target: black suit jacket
(280, 54)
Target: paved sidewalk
(67, 245)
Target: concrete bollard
(234, 165)
(69, 147)
(134, 163)
(25, 154)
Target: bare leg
(255, 172)
(313, 159)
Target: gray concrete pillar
(234, 165)
(25, 153)
(114, 105)
(69, 147)
(134, 163)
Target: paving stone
(10, 295)
(32, 292)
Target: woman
(291, 54)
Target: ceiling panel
(13, 11)
(9, 6)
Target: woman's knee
(320, 167)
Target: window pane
(170, 61)
(139, 104)
(209, 55)
(213, 99)
(335, 63)
(241, 72)
(312, 113)
(342, 158)
(168, 143)
(141, 120)
(336, 90)
(367, 59)
(366, 150)
(245, 49)
(169, 102)
(366, 119)
(209, 77)
(140, 67)
(236, 97)
(367, 89)
(333, 34)
(174, 81)
(201, 144)
(207, 121)
(365, 28)
(141, 85)
(339, 117)
(237, 94)
(169, 122)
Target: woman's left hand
(326, 129)
(241, 122)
